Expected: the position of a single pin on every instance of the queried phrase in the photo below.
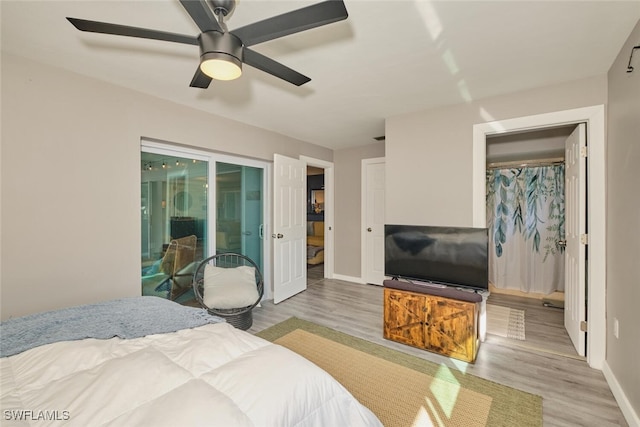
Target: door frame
(329, 197)
(363, 211)
(594, 118)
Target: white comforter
(212, 375)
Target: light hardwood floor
(544, 364)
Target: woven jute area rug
(404, 390)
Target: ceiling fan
(222, 52)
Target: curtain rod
(526, 163)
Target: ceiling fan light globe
(221, 66)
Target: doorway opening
(315, 223)
(319, 216)
(526, 213)
(290, 230)
(526, 220)
(593, 117)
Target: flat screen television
(453, 256)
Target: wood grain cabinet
(434, 323)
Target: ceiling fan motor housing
(224, 6)
(214, 44)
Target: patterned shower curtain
(525, 216)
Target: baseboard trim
(349, 279)
(629, 413)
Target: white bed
(211, 375)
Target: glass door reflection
(174, 223)
(239, 210)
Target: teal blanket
(125, 318)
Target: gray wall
(70, 163)
(623, 221)
(348, 181)
(429, 153)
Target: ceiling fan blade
(201, 15)
(200, 79)
(292, 22)
(124, 30)
(274, 68)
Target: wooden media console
(440, 320)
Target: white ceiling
(388, 58)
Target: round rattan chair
(223, 285)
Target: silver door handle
(247, 233)
(562, 243)
(277, 236)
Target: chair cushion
(229, 287)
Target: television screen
(455, 256)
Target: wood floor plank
(545, 363)
(544, 325)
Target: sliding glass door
(174, 220)
(240, 210)
(184, 219)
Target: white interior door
(289, 231)
(373, 171)
(575, 229)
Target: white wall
(348, 165)
(429, 153)
(70, 177)
(623, 229)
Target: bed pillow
(229, 287)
